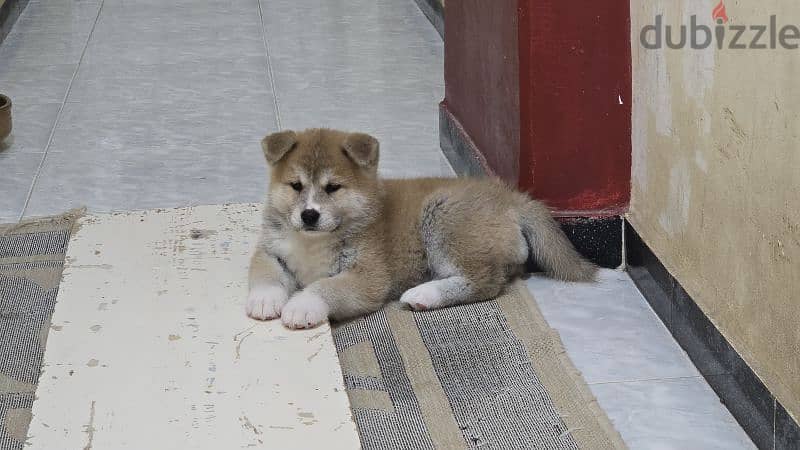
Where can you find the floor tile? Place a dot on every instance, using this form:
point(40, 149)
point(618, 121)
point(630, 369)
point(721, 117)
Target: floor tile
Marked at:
point(119, 126)
point(609, 330)
point(136, 177)
point(169, 19)
point(166, 49)
point(394, 164)
point(674, 414)
point(31, 127)
point(33, 50)
point(217, 81)
point(214, 6)
point(380, 86)
point(403, 121)
point(27, 85)
point(114, 156)
point(57, 17)
point(47, 34)
point(18, 170)
point(125, 39)
point(365, 24)
point(362, 80)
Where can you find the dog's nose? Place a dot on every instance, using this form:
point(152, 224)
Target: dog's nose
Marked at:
point(309, 217)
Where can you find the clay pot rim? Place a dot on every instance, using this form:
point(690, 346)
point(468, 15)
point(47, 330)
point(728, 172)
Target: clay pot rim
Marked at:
point(5, 102)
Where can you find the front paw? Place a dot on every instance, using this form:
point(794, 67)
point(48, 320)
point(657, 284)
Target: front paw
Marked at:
point(265, 302)
point(305, 310)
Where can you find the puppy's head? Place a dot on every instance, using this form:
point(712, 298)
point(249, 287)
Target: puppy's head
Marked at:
point(322, 180)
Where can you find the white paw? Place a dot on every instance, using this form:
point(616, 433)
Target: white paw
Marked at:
point(304, 310)
point(425, 296)
point(265, 302)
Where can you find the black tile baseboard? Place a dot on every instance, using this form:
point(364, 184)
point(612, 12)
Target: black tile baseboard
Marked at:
point(434, 11)
point(787, 433)
point(597, 238)
point(756, 409)
point(9, 12)
point(458, 147)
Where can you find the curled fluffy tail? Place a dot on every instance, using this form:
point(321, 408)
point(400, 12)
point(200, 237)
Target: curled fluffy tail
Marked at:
point(549, 247)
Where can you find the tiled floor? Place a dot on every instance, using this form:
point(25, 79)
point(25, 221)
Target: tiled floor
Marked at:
point(134, 104)
point(646, 383)
point(122, 105)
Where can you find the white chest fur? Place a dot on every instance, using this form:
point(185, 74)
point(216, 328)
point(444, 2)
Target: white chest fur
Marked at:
point(309, 257)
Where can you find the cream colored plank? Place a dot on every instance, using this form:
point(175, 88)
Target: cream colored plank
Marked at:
point(150, 347)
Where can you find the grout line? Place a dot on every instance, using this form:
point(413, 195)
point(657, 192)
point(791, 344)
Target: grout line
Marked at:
point(648, 379)
point(774, 425)
point(442, 154)
point(624, 263)
point(58, 115)
point(270, 73)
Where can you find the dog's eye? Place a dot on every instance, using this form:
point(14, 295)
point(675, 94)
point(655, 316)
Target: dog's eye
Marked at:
point(297, 186)
point(330, 188)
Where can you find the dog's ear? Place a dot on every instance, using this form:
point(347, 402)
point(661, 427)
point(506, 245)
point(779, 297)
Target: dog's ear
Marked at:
point(362, 148)
point(277, 145)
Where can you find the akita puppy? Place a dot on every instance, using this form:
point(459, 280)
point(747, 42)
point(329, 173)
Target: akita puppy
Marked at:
point(338, 242)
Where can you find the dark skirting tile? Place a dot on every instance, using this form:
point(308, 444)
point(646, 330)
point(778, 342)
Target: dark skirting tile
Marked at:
point(738, 387)
point(708, 349)
point(649, 275)
point(458, 147)
point(787, 431)
point(434, 11)
point(752, 407)
point(9, 12)
point(597, 238)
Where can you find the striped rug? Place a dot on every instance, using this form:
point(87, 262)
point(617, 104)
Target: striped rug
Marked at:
point(31, 260)
point(490, 375)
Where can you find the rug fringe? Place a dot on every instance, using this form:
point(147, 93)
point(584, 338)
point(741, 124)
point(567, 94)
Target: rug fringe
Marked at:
point(39, 224)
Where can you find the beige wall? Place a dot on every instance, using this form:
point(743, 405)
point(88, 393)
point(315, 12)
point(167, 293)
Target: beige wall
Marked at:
point(716, 180)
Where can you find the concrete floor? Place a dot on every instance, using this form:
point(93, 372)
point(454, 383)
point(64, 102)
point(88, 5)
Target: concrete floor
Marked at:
point(131, 104)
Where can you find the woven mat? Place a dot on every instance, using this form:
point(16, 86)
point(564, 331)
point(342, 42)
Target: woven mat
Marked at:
point(31, 261)
point(485, 375)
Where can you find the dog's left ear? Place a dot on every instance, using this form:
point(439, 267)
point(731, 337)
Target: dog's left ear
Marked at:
point(362, 148)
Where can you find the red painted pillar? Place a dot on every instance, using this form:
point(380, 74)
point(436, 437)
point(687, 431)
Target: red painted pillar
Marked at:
point(541, 91)
point(575, 104)
point(481, 70)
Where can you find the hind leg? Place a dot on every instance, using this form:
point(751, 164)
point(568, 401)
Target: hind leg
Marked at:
point(471, 252)
point(438, 293)
point(450, 291)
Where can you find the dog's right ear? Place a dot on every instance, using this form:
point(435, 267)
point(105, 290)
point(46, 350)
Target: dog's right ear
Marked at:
point(277, 145)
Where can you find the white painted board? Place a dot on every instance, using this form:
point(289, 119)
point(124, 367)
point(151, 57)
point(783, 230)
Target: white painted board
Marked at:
point(149, 347)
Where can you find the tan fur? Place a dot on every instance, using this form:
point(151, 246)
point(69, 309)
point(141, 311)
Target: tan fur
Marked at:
point(429, 242)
